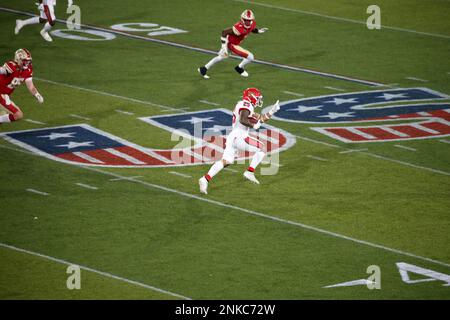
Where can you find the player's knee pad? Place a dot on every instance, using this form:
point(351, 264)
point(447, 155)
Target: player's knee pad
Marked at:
point(250, 57)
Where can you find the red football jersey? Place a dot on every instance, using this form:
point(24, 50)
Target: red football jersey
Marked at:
point(14, 78)
point(240, 32)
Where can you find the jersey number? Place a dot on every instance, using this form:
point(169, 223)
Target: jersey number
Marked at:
point(15, 83)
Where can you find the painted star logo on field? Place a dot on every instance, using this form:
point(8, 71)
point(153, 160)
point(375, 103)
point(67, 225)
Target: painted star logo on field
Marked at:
point(335, 115)
point(301, 109)
point(195, 120)
point(73, 144)
point(390, 96)
point(56, 135)
point(339, 101)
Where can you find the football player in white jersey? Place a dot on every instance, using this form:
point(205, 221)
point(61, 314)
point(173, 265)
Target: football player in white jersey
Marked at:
point(46, 17)
point(244, 118)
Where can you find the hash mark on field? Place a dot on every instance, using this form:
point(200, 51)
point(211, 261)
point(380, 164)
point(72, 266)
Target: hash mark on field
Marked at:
point(38, 192)
point(294, 93)
point(316, 158)
point(80, 117)
point(335, 89)
point(444, 141)
point(180, 174)
point(34, 121)
point(125, 178)
point(86, 186)
point(352, 150)
point(416, 79)
point(404, 147)
point(125, 112)
point(231, 170)
point(102, 273)
point(209, 102)
point(272, 163)
point(179, 109)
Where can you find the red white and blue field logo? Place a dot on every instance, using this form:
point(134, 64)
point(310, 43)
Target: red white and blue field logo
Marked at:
point(420, 115)
point(202, 141)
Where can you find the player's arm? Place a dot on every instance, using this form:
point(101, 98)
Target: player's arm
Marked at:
point(34, 92)
point(244, 118)
point(261, 30)
point(268, 115)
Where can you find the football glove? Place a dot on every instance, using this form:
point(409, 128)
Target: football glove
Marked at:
point(275, 108)
point(262, 30)
point(40, 6)
point(39, 98)
point(257, 125)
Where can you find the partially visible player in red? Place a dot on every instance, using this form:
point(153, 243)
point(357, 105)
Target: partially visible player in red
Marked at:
point(231, 39)
point(12, 75)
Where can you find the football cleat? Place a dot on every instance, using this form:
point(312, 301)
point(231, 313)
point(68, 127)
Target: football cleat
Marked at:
point(241, 71)
point(203, 183)
point(253, 96)
point(46, 36)
point(247, 18)
point(19, 26)
point(202, 71)
point(250, 176)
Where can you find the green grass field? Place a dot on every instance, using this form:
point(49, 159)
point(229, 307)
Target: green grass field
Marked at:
point(332, 210)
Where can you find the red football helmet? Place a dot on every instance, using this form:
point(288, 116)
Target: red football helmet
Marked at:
point(253, 96)
point(247, 17)
point(23, 58)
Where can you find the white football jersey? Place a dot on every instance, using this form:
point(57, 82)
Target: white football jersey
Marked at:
point(238, 127)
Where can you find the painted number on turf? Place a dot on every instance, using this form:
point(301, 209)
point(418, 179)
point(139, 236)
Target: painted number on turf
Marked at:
point(74, 280)
point(430, 275)
point(153, 29)
point(374, 20)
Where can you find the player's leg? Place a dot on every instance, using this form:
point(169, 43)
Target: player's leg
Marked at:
point(247, 58)
point(204, 69)
point(49, 13)
point(14, 112)
point(227, 159)
point(252, 145)
point(35, 20)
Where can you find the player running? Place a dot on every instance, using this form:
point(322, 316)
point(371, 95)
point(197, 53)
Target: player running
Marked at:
point(12, 75)
point(231, 39)
point(239, 139)
point(46, 17)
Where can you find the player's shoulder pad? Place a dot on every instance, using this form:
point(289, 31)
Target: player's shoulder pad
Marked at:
point(10, 66)
point(238, 28)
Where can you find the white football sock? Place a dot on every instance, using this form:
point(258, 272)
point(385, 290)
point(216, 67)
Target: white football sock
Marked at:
point(47, 27)
point(257, 158)
point(246, 61)
point(4, 118)
point(215, 169)
point(214, 61)
point(34, 20)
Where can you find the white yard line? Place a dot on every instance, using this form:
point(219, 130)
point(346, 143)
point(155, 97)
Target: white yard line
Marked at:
point(316, 158)
point(180, 174)
point(38, 192)
point(102, 273)
point(416, 79)
point(34, 121)
point(294, 93)
point(86, 186)
point(404, 147)
point(147, 103)
point(209, 103)
point(352, 150)
point(119, 179)
point(125, 112)
point(436, 35)
point(251, 212)
point(445, 141)
point(335, 89)
point(80, 117)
